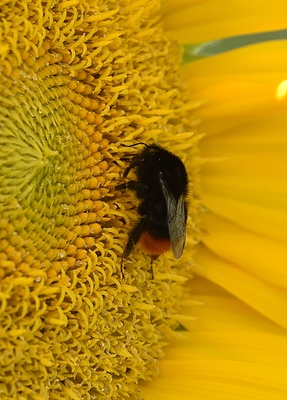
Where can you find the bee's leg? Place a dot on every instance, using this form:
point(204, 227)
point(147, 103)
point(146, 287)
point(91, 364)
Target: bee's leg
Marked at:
point(137, 187)
point(151, 269)
point(122, 269)
point(134, 237)
point(153, 258)
point(136, 162)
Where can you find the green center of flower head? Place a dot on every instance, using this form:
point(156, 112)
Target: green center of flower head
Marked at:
point(77, 80)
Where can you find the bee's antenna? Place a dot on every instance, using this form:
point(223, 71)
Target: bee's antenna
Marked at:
point(135, 144)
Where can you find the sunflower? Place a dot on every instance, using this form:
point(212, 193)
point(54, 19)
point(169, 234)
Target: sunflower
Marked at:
point(79, 81)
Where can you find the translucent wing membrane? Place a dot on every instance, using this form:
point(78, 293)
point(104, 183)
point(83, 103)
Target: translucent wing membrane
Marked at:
point(176, 220)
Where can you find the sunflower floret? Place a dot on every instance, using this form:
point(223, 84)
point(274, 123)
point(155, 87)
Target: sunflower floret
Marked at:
point(77, 80)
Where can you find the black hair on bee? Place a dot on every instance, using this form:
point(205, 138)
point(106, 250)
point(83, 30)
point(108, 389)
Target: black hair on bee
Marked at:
point(161, 187)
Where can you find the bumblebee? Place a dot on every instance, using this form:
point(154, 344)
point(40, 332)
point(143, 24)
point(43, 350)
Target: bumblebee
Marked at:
point(161, 186)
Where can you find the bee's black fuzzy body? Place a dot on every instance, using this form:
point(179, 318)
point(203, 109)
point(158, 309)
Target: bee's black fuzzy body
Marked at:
point(162, 188)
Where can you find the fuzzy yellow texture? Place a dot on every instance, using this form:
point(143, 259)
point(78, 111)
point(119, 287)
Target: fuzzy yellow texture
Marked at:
point(77, 80)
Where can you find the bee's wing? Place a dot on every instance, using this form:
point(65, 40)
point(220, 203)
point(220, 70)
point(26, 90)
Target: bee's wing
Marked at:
point(175, 219)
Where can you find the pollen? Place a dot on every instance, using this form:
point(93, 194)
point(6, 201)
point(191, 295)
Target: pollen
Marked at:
point(78, 80)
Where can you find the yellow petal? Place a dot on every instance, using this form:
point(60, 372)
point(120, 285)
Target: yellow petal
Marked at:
point(232, 354)
point(244, 177)
point(198, 21)
point(241, 83)
point(213, 309)
point(236, 347)
point(268, 299)
point(226, 372)
point(244, 181)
